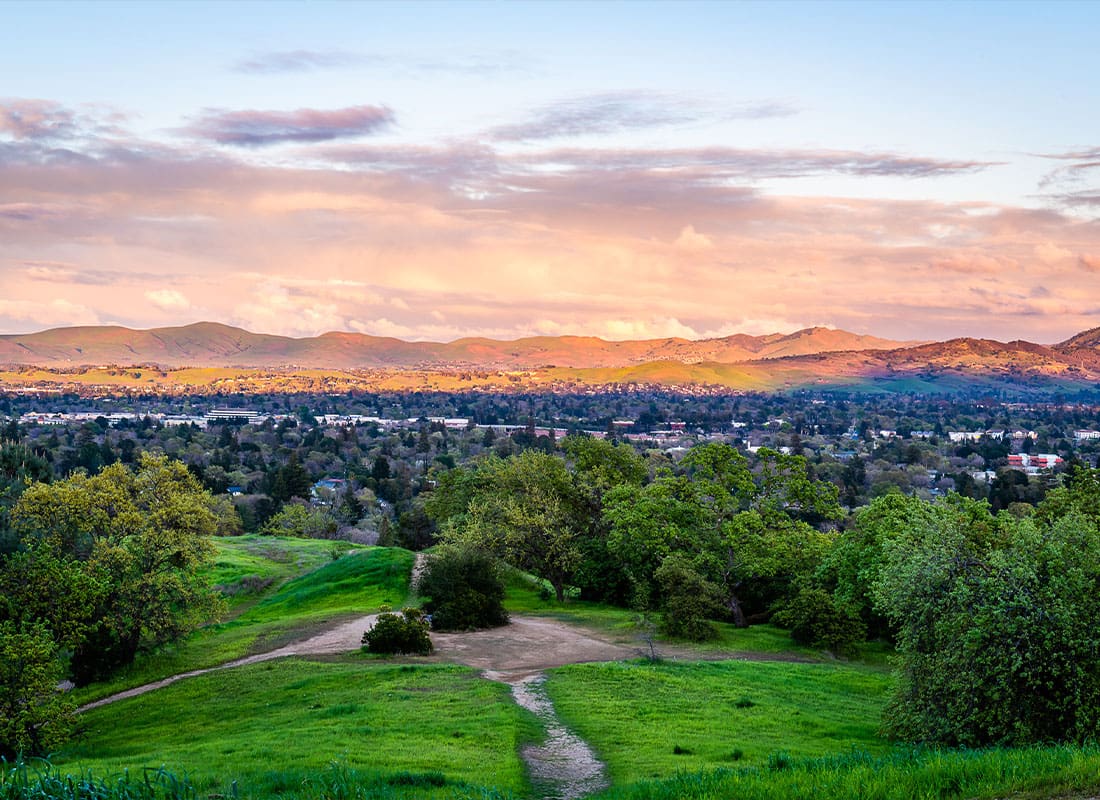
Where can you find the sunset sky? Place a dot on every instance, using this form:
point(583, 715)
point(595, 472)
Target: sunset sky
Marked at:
point(626, 170)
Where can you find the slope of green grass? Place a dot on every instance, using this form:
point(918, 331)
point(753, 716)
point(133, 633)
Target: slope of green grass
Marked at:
point(653, 720)
point(246, 567)
point(1032, 773)
point(275, 725)
point(356, 584)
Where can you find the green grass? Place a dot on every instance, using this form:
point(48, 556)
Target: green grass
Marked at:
point(247, 566)
point(1034, 773)
point(358, 583)
point(271, 726)
point(653, 720)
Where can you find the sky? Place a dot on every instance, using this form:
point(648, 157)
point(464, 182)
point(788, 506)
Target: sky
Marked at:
point(625, 170)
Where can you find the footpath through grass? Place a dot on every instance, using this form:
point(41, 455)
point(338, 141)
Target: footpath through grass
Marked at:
point(273, 726)
point(355, 584)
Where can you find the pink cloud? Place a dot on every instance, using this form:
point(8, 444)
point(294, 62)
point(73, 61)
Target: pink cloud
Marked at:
point(262, 128)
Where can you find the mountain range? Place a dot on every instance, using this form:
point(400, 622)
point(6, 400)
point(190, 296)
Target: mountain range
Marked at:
point(814, 357)
point(213, 344)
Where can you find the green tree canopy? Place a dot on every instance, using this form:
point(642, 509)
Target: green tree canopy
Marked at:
point(996, 621)
point(132, 542)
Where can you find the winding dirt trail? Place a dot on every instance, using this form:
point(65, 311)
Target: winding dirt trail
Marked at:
point(563, 767)
point(343, 638)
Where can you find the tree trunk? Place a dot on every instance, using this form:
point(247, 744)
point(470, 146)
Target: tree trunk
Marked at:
point(738, 614)
point(559, 589)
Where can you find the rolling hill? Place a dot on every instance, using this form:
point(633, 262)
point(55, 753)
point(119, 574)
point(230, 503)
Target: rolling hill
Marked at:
point(219, 357)
point(209, 344)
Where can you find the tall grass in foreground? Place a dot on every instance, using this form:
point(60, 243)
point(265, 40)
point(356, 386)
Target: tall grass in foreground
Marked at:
point(1036, 772)
point(38, 780)
point(917, 774)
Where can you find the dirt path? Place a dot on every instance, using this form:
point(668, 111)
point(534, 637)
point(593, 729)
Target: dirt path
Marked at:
point(563, 767)
point(522, 649)
point(340, 639)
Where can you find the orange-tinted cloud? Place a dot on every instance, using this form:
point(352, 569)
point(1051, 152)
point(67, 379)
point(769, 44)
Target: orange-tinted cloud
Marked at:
point(465, 238)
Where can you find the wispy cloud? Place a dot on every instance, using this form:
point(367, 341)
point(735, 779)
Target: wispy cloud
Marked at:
point(300, 61)
point(599, 114)
point(615, 112)
point(736, 163)
point(263, 128)
point(36, 119)
point(287, 61)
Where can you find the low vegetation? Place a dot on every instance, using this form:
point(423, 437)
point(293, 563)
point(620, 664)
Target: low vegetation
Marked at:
point(652, 720)
point(276, 726)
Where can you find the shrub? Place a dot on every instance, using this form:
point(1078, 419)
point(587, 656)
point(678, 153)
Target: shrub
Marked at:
point(816, 619)
point(690, 600)
point(399, 633)
point(464, 590)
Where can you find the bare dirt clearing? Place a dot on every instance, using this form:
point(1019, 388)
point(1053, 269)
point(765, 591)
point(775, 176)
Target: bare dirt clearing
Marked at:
point(523, 648)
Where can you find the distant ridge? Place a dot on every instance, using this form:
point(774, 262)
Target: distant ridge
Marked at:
point(209, 344)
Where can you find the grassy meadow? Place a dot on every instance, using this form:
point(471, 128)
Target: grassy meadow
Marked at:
point(785, 722)
point(651, 720)
point(271, 726)
point(287, 609)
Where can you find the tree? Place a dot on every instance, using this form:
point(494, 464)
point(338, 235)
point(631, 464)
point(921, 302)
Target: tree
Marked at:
point(298, 519)
point(142, 537)
point(35, 716)
point(464, 589)
point(526, 511)
point(996, 622)
point(291, 480)
point(758, 538)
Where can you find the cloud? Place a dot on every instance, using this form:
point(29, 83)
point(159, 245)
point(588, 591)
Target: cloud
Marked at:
point(285, 61)
point(1050, 253)
point(690, 240)
point(971, 264)
point(300, 61)
point(263, 128)
point(168, 300)
point(1084, 154)
point(1090, 262)
point(599, 114)
point(615, 112)
point(28, 212)
point(36, 119)
point(739, 163)
point(57, 311)
point(1087, 198)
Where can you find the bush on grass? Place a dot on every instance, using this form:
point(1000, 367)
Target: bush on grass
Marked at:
point(405, 633)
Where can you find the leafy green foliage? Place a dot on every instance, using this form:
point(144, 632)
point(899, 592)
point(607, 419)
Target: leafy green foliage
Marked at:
point(404, 633)
point(127, 546)
point(690, 600)
point(526, 512)
point(996, 622)
point(298, 519)
point(816, 619)
point(464, 589)
point(35, 717)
